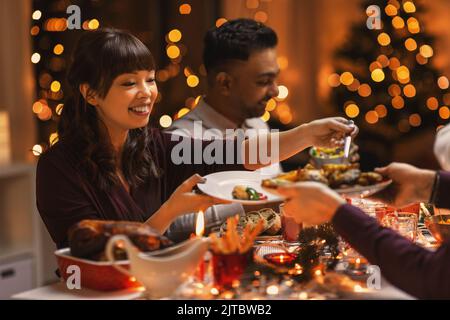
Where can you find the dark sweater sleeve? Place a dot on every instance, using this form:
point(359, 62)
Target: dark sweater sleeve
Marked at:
point(442, 196)
point(417, 271)
point(61, 200)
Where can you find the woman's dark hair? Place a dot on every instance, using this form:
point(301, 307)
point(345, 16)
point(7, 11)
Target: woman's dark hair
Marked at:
point(99, 57)
point(236, 40)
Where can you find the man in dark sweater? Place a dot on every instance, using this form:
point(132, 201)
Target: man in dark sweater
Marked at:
point(416, 270)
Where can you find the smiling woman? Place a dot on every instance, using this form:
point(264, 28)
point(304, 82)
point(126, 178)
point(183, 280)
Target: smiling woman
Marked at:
point(109, 164)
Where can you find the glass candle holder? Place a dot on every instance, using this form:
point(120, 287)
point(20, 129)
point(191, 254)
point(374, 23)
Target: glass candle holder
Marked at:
point(280, 258)
point(228, 268)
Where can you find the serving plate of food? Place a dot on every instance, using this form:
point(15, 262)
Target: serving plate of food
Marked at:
point(238, 186)
point(270, 223)
point(346, 179)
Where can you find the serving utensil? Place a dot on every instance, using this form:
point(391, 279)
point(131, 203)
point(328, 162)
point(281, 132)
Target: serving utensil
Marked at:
point(348, 141)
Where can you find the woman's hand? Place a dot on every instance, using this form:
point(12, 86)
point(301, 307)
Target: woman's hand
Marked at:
point(311, 202)
point(409, 185)
point(182, 201)
point(329, 132)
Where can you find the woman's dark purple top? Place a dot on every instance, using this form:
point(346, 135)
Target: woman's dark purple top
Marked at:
point(417, 271)
point(65, 194)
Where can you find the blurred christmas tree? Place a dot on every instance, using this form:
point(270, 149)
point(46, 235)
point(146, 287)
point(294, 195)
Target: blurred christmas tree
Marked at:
point(385, 80)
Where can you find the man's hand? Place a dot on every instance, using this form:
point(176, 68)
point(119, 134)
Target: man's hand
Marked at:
point(330, 132)
point(409, 185)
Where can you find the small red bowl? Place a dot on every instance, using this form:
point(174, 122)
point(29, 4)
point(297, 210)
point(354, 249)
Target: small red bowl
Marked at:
point(96, 275)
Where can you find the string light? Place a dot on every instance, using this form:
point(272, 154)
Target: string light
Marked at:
point(266, 116)
point(410, 44)
point(59, 109)
point(183, 112)
point(192, 81)
point(426, 51)
point(283, 92)
point(409, 91)
point(381, 110)
point(35, 58)
point(444, 112)
point(37, 150)
point(413, 25)
point(398, 23)
point(185, 9)
point(390, 10)
point(334, 80)
point(220, 22)
point(443, 82)
point(402, 73)
point(415, 120)
point(261, 16)
point(53, 138)
point(352, 110)
point(372, 117)
point(346, 78)
point(384, 39)
point(37, 15)
point(377, 75)
point(55, 86)
point(364, 90)
point(173, 51)
point(271, 105)
point(355, 85)
point(432, 103)
point(165, 121)
point(93, 24)
point(35, 30)
point(409, 7)
point(398, 102)
point(394, 90)
point(420, 59)
point(58, 49)
point(175, 35)
point(37, 107)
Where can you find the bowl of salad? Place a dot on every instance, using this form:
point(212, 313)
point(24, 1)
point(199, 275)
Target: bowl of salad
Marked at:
point(323, 156)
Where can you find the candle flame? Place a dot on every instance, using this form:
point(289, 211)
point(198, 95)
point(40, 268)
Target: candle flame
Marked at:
point(358, 261)
point(282, 258)
point(200, 224)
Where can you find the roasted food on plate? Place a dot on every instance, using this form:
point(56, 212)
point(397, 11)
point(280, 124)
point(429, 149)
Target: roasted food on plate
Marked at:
point(247, 193)
point(334, 175)
point(269, 219)
point(88, 238)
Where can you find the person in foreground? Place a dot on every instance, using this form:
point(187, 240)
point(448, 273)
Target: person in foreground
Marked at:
point(110, 164)
point(416, 270)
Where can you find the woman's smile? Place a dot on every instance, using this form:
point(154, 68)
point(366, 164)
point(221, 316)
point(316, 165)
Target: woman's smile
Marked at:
point(142, 110)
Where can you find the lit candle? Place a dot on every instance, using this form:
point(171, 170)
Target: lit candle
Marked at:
point(280, 258)
point(200, 224)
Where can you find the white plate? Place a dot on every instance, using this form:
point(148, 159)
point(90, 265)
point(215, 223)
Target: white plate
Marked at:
point(220, 185)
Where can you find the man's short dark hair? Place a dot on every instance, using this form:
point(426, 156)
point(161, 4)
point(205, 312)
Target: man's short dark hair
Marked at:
point(236, 40)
